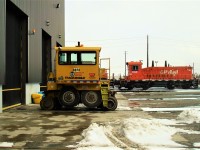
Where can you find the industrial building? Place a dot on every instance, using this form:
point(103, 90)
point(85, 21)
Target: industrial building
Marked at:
point(29, 31)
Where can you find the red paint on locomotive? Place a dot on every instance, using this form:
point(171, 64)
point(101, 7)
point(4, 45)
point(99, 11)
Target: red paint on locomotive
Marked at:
point(136, 72)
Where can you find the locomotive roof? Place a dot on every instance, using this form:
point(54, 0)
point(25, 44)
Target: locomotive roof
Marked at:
point(134, 63)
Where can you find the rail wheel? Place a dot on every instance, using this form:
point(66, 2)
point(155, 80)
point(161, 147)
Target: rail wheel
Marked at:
point(195, 83)
point(186, 86)
point(130, 88)
point(91, 99)
point(69, 97)
point(145, 86)
point(47, 103)
point(195, 86)
point(112, 103)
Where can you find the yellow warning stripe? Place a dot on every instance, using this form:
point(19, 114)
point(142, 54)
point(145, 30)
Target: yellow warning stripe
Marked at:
point(14, 89)
point(8, 107)
point(43, 86)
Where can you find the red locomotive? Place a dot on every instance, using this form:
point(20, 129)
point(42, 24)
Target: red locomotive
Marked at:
point(167, 76)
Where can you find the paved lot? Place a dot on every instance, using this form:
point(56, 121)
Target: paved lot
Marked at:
point(28, 127)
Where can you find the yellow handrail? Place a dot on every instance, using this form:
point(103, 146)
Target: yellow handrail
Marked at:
point(14, 89)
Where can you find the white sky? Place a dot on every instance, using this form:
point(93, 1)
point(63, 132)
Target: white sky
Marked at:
point(117, 26)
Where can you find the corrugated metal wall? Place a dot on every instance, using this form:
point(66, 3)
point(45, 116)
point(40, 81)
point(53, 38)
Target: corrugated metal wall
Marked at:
point(40, 12)
point(2, 40)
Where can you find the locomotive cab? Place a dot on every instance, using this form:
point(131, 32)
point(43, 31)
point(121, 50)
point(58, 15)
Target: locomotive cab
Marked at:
point(134, 70)
point(134, 77)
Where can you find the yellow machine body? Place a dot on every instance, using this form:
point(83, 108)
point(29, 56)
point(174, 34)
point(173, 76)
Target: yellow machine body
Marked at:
point(77, 79)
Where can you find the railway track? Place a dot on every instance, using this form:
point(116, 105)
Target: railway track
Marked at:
point(154, 89)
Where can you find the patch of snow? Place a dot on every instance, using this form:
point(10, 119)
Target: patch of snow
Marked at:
point(98, 148)
point(123, 108)
point(149, 132)
point(92, 135)
point(166, 148)
point(138, 99)
point(158, 89)
point(95, 138)
point(144, 99)
point(188, 95)
point(6, 144)
point(170, 109)
point(186, 90)
point(179, 98)
point(189, 116)
point(196, 144)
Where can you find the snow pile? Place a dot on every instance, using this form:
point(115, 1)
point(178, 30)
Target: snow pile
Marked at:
point(134, 133)
point(95, 138)
point(149, 132)
point(141, 133)
point(189, 116)
point(96, 135)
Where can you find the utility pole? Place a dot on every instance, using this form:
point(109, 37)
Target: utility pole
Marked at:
point(147, 51)
point(125, 61)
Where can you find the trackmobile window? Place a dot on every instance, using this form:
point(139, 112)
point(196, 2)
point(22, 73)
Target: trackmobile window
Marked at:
point(77, 58)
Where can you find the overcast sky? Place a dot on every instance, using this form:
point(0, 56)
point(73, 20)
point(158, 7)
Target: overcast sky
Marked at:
point(173, 27)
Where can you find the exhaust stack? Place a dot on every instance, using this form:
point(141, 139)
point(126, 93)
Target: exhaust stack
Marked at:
point(152, 63)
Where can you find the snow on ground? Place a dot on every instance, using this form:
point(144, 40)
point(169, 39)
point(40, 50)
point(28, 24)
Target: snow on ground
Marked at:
point(6, 144)
point(187, 90)
point(95, 138)
point(124, 108)
point(189, 116)
point(144, 99)
point(141, 133)
point(96, 134)
point(171, 109)
point(149, 132)
point(158, 89)
point(196, 95)
point(196, 144)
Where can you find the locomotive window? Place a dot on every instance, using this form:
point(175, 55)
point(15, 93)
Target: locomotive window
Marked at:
point(77, 58)
point(135, 68)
